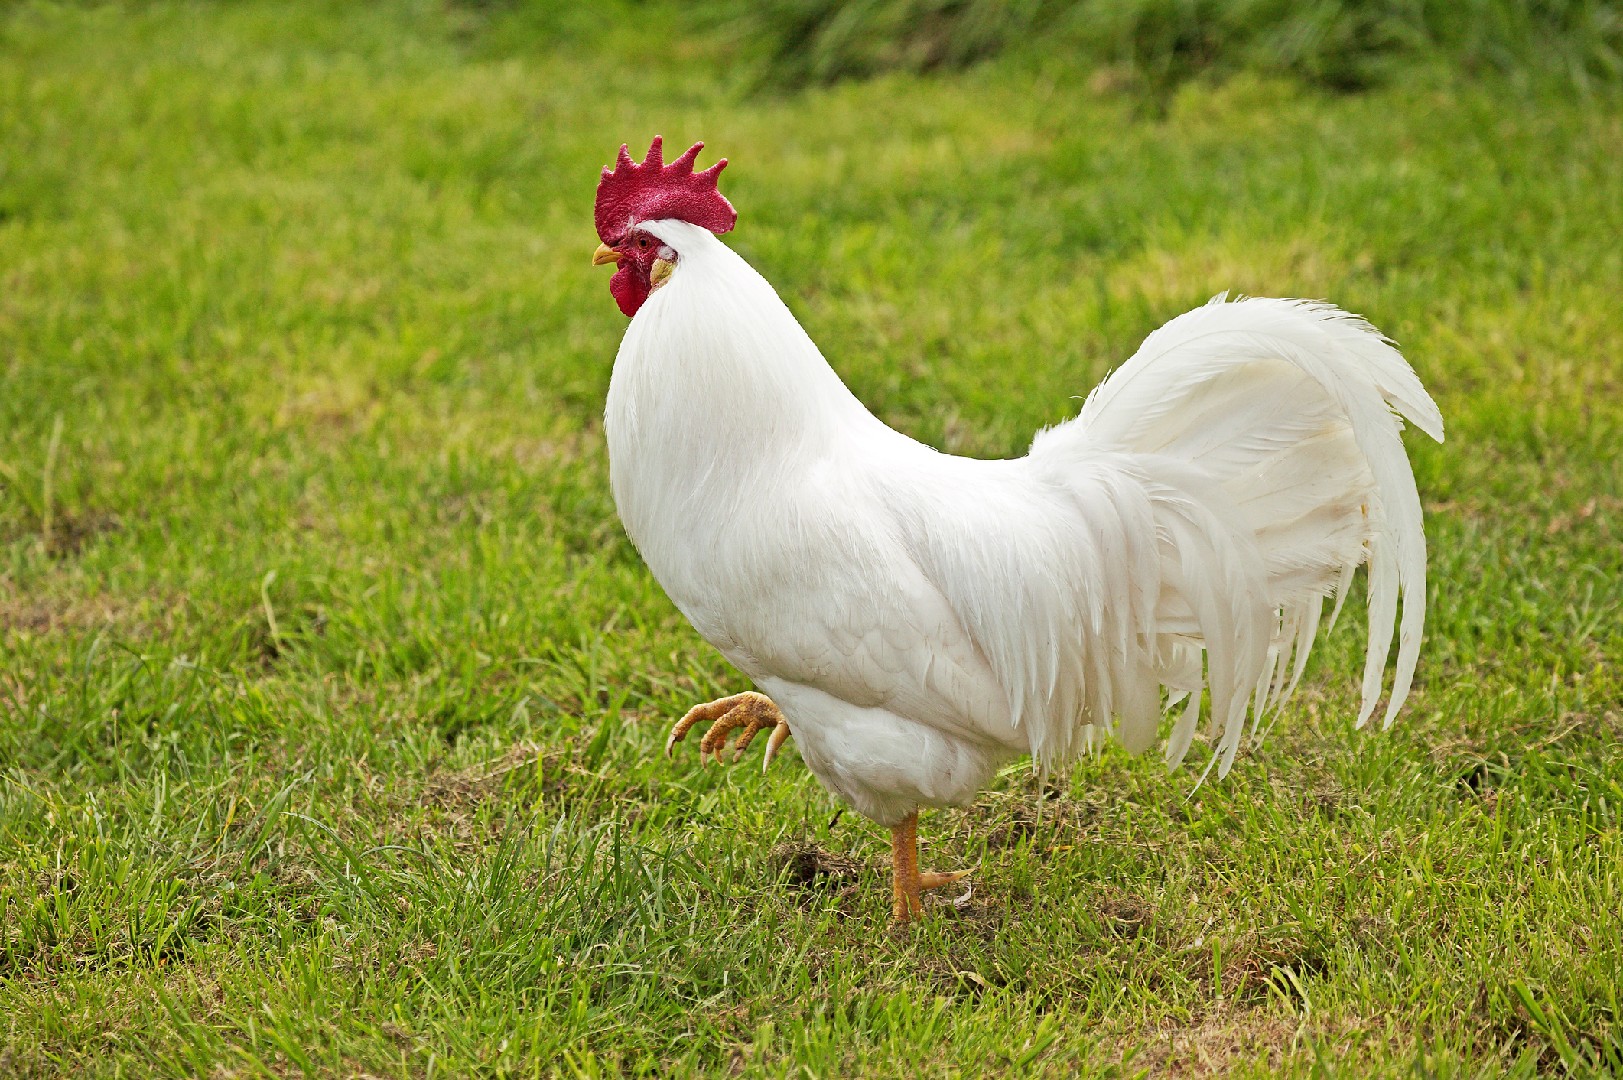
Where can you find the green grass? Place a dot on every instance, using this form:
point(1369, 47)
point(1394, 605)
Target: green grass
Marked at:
point(332, 696)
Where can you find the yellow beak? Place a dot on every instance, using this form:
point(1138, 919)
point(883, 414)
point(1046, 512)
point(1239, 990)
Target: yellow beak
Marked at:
point(605, 254)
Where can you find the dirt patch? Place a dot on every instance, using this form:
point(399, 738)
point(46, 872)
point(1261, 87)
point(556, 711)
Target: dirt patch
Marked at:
point(22, 1063)
point(1217, 1045)
point(71, 532)
point(1226, 1040)
point(329, 410)
point(1258, 966)
point(468, 787)
point(564, 449)
point(33, 614)
point(1021, 824)
point(805, 865)
point(523, 775)
point(1124, 914)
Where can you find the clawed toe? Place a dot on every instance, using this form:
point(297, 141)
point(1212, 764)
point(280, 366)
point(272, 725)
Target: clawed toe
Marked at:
point(751, 711)
point(934, 879)
point(774, 743)
point(754, 727)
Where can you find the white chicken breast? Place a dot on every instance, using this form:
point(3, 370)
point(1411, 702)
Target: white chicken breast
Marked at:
point(919, 619)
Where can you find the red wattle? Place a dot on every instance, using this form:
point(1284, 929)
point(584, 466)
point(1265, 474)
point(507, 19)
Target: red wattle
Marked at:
point(630, 286)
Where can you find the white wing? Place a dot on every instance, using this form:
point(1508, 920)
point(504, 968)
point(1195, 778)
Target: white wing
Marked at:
point(835, 600)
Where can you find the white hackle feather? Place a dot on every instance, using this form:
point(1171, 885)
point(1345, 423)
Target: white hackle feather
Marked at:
point(921, 618)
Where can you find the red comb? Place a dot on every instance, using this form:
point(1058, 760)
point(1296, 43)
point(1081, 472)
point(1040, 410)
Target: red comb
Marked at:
point(653, 190)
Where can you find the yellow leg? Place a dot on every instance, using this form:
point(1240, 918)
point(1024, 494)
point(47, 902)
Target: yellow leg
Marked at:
point(907, 880)
point(751, 711)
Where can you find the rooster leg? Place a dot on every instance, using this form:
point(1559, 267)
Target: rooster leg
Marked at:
point(907, 880)
point(751, 711)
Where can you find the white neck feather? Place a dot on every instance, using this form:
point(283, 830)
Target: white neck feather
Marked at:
point(715, 378)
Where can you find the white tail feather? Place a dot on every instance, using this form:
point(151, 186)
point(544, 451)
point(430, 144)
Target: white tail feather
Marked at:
point(1266, 434)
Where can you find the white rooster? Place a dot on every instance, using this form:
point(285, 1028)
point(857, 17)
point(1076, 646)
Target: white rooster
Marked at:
point(921, 619)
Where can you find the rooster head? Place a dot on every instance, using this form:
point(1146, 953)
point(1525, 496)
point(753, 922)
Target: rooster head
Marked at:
point(632, 193)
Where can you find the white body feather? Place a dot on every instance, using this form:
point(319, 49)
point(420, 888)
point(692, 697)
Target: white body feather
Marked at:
point(921, 618)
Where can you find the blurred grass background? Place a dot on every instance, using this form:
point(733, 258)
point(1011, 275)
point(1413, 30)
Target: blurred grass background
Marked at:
point(1157, 44)
point(333, 694)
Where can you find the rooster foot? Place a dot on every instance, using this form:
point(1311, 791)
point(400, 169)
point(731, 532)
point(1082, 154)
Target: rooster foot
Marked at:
point(751, 711)
point(908, 880)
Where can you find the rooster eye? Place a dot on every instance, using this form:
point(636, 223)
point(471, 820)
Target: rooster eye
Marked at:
point(642, 241)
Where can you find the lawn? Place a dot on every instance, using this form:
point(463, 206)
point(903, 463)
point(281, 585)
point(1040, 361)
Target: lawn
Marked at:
point(332, 696)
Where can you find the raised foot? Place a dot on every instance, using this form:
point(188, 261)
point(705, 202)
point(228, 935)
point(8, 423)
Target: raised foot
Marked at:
point(751, 711)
